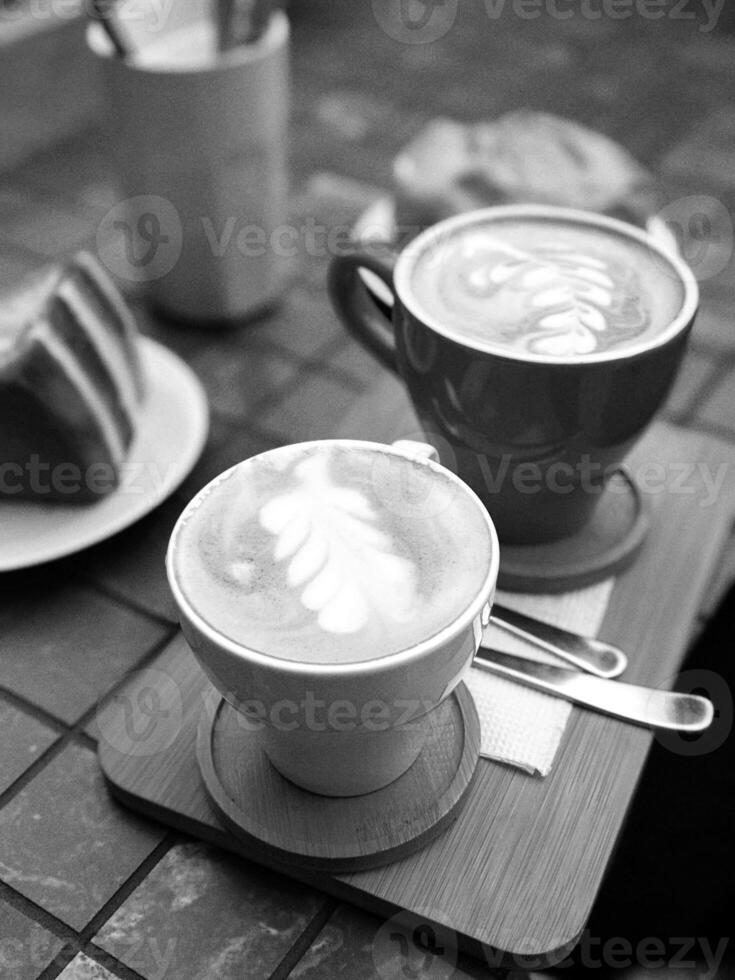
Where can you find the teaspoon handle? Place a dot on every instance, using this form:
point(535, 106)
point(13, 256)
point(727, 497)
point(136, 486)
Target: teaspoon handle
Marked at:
point(647, 706)
point(584, 652)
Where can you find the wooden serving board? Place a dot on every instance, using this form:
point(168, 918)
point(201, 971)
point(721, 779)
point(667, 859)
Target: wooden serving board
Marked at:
point(519, 870)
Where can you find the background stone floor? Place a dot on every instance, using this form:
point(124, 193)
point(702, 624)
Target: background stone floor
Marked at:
point(87, 890)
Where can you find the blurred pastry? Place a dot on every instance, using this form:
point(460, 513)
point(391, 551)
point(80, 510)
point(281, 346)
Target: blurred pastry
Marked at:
point(522, 157)
point(71, 385)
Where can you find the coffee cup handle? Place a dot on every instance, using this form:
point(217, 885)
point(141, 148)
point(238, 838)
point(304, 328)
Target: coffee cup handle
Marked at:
point(357, 307)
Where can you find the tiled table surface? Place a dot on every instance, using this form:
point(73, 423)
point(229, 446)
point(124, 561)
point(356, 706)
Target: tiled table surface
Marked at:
point(88, 890)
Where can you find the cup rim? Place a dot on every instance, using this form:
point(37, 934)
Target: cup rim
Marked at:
point(275, 36)
point(377, 665)
point(414, 249)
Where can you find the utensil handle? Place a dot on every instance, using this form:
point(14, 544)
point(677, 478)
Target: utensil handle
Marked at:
point(356, 306)
point(585, 652)
point(103, 15)
point(641, 705)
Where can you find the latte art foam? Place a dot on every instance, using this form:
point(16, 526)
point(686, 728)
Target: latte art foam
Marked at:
point(546, 287)
point(331, 553)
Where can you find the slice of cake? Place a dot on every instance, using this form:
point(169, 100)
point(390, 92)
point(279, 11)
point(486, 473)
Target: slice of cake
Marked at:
point(71, 385)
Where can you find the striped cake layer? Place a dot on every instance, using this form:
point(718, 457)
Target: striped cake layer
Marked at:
point(70, 383)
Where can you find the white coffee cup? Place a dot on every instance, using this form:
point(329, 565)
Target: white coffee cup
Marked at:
point(200, 143)
point(343, 705)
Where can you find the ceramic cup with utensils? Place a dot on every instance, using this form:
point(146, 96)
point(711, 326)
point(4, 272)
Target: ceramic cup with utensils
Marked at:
point(536, 344)
point(200, 137)
point(335, 593)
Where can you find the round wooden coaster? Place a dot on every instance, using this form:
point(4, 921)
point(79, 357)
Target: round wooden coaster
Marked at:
point(605, 546)
point(335, 834)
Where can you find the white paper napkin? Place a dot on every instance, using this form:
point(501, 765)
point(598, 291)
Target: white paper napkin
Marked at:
point(520, 726)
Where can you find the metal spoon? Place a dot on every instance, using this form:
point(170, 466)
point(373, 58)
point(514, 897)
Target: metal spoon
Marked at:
point(640, 705)
point(584, 652)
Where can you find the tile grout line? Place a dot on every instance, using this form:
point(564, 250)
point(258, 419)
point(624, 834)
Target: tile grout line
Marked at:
point(232, 425)
point(75, 734)
point(58, 964)
point(71, 737)
point(36, 767)
point(38, 914)
point(36, 711)
point(104, 590)
point(688, 418)
point(713, 429)
point(333, 345)
point(336, 373)
point(710, 350)
point(718, 377)
point(137, 876)
point(110, 963)
point(76, 941)
point(257, 430)
point(316, 370)
point(300, 364)
point(304, 940)
point(104, 699)
point(67, 955)
point(265, 403)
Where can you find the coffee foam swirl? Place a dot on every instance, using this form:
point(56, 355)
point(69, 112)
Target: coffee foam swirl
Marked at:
point(346, 565)
point(329, 553)
point(547, 289)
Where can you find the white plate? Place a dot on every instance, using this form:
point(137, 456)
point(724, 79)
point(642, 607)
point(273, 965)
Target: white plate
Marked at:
point(171, 434)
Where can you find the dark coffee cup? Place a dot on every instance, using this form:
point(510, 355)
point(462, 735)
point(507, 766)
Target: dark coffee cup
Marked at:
point(536, 344)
